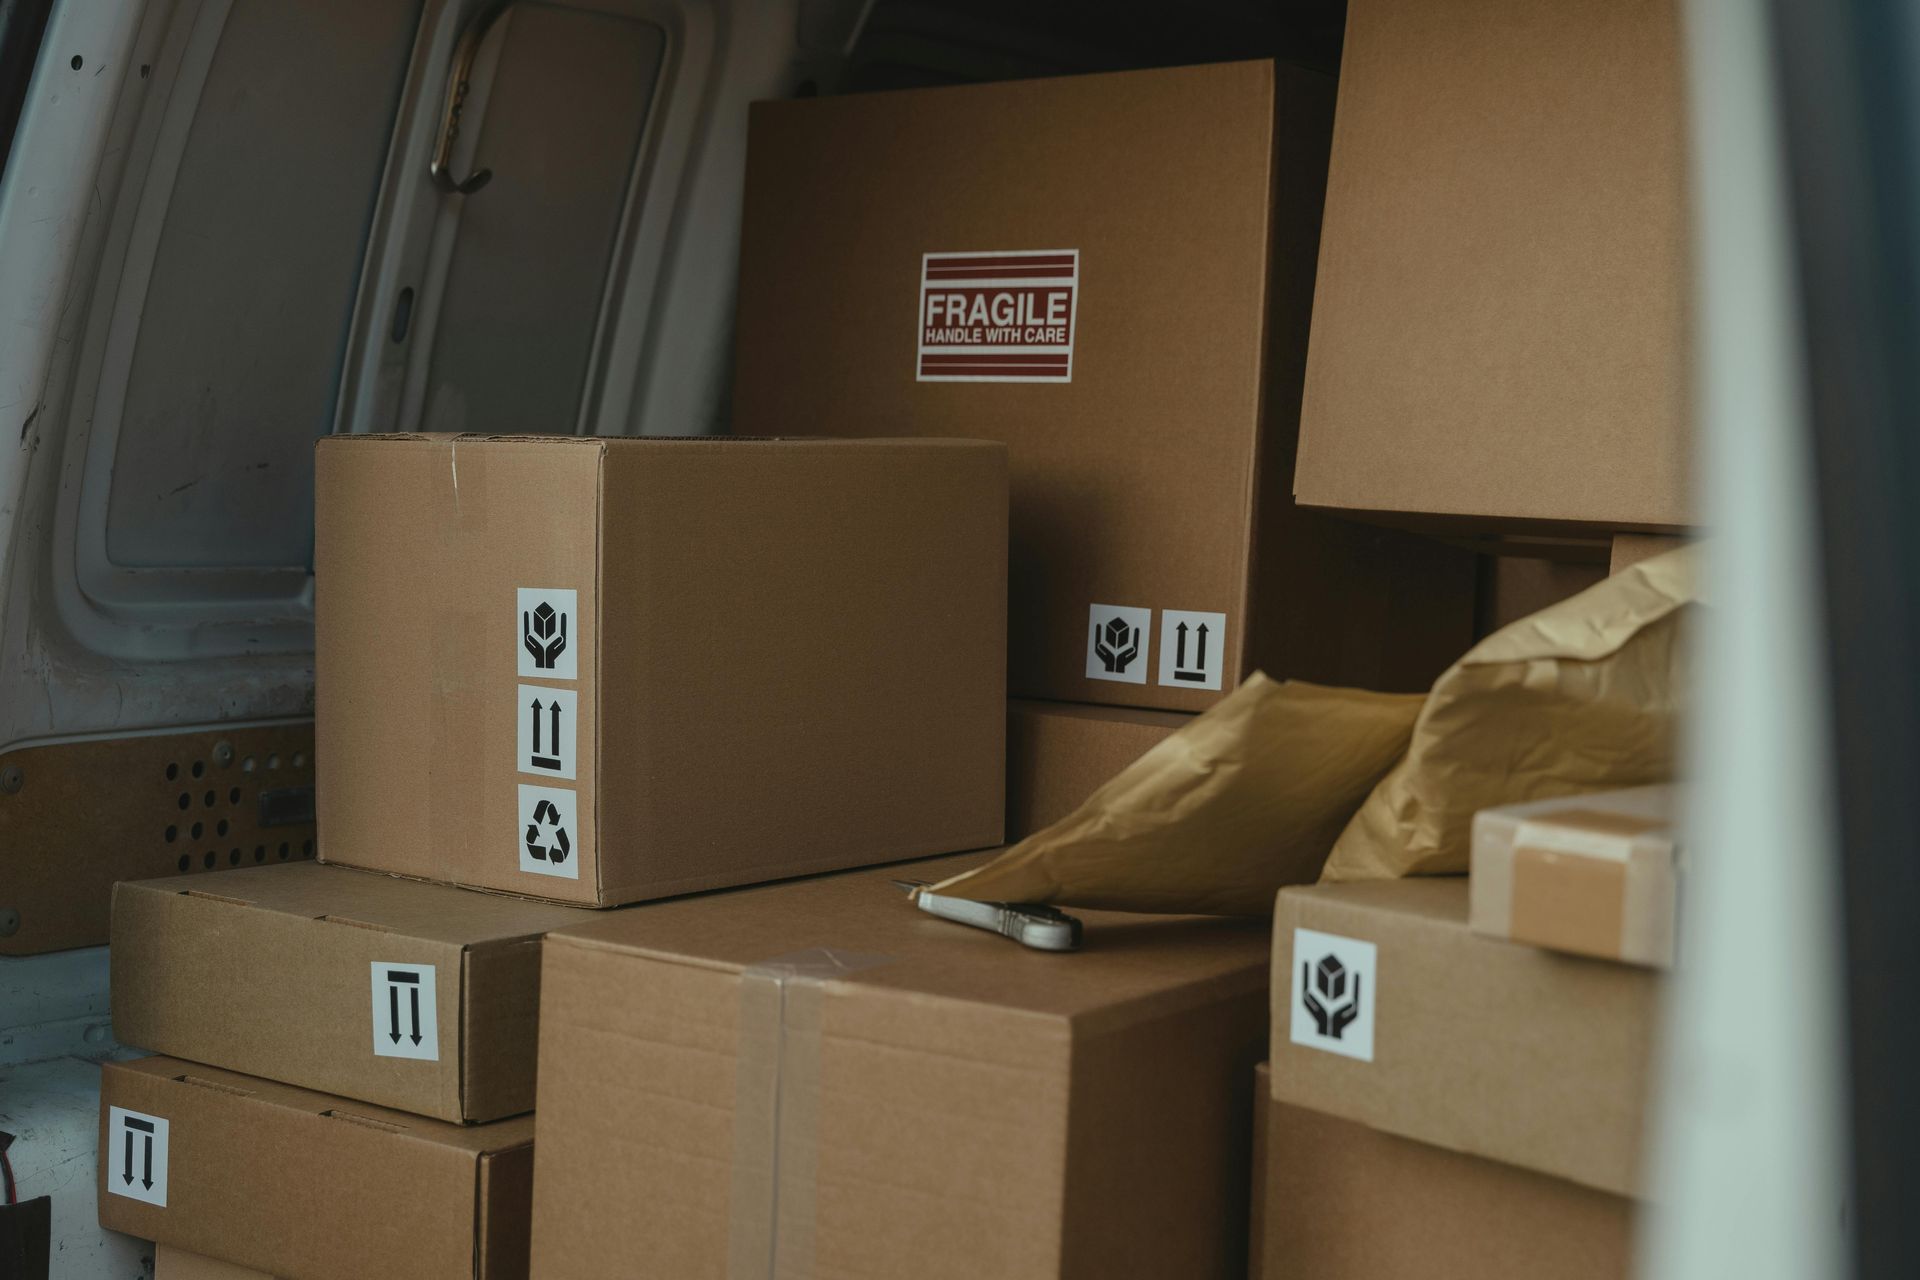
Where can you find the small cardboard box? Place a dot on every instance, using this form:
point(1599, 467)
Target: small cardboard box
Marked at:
point(1500, 332)
point(598, 670)
point(1335, 1200)
point(1594, 875)
point(421, 997)
point(1112, 274)
point(170, 1263)
point(819, 1079)
point(1388, 1011)
point(1059, 753)
point(306, 1186)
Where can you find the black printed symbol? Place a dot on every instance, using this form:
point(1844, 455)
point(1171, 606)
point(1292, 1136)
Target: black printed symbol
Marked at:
point(544, 633)
point(1181, 671)
point(1323, 987)
point(395, 979)
point(1116, 644)
point(145, 1129)
point(547, 814)
point(536, 759)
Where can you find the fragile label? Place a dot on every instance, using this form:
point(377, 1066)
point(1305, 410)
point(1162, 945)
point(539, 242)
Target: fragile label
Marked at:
point(1334, 990)
point(548, 823)
point(547, 730)
point(1004, 316)
point(1190, 648)
point(1118, 638)
point(549, 631)
point(406, 1019)
point(137, 1147)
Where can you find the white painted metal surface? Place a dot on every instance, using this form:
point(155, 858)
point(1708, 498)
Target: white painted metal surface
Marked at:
point(1748, 1156)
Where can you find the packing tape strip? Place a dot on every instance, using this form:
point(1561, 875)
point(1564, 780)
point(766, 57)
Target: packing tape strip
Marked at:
point(776, 1110)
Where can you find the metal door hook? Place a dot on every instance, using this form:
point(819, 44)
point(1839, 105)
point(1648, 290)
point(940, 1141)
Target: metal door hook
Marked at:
point(465, 52)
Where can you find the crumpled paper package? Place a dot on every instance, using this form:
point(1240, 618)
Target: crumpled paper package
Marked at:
point(1216, 818)
point(1583, 696)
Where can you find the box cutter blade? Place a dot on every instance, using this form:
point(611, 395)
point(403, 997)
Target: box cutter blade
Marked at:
point(1031, 924)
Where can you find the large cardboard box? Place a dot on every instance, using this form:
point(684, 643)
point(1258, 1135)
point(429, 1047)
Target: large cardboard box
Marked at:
point(1500, 327)
point(170, 1263)
point(421, 997)
point(1113, 275)
point(1059, 753)
point(1335, 1200)
point(603, 670)
point(819, 1079)
point(306, 1186)
point(1389, 1012)
point(1594, 875)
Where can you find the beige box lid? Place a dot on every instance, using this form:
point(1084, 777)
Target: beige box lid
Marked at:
point(1064, 1112)
point(304, 1185)
point(1485, 1047)
point(273, 971)
point(1499, 327)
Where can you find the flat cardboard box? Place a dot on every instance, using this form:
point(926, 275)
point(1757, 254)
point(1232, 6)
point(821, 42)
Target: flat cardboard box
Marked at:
point(1593, 875)
point(1335, 1200)
point(170, 1263)
point(421, 997)
point(1150, 416)
point(1059, 753)
point(1500, 333)
point(819, 1079)
point(306, 1186)
point(599, 670)
point(1421, 1028)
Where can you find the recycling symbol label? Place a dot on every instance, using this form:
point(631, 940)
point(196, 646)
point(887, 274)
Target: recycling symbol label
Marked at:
point(1334, 990)
point(548, 828)
point(547, 626)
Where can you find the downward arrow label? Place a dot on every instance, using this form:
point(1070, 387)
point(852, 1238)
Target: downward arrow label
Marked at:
point(409, 1027)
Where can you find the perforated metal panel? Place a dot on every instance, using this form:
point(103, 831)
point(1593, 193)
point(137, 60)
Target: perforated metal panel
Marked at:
point(77, 816)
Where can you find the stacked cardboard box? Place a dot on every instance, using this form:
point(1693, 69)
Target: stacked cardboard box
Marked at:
point(1112, 275)
point(592, 671)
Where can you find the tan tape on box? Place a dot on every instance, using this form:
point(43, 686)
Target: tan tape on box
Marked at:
point(1570, 880)
point(776, 1110)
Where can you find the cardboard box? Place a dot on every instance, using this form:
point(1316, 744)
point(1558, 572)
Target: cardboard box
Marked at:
point(819, 1079)
point(1389, 1012)
point(893, 241)
point(1519, 586)
point(1059, 753)
point(1336, 1200)
point(307, 1186)
point(1630, 549)
point(1592, 875)
point(756, 658)
point(1500, 328)
point(420, 997)
point(170, 1263)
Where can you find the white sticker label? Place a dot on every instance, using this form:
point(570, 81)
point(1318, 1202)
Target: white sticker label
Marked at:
point(547, 832)
point(137, 1146)
point(406, 1017)
point(1335, 985)
point(1117, 642)
point(548, 623)
point(547, 718)
point(1190, 648)
point(1004, 316)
